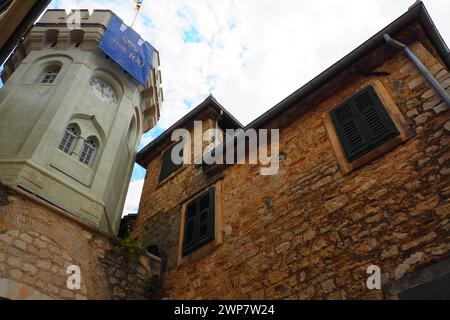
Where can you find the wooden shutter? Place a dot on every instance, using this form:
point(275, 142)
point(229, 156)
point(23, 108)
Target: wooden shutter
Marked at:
point(362, 124)
point(189, 234)
point(167, 166)
point(199, 222)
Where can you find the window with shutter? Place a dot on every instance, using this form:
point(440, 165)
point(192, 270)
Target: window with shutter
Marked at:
point(199, 222)
point(362, 124)
point(168, 166)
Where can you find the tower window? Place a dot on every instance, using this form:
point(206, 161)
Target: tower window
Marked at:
point(88, 152)
point(50, 73)
point(131, 135)
point(68, 140)
point(49, 77)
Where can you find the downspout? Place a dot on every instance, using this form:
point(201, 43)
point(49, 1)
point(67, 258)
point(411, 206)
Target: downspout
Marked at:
point(425, 72)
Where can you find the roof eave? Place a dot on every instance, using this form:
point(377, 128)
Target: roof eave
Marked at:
point(209, 101)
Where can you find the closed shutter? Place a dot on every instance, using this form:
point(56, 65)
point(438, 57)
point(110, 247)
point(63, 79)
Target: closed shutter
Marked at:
point(167, 166)
point(362, 124)
point(199, 222)
point(191, 212)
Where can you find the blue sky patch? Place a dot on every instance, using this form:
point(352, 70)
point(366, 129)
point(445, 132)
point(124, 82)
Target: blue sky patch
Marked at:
point(211, 79)
point(192, 36)
point(153, 133)
point(232, 24)
point(187, 103)
point(147, 22)
point(138, 172)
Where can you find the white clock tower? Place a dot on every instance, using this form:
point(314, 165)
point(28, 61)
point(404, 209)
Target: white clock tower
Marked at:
point(71, 118)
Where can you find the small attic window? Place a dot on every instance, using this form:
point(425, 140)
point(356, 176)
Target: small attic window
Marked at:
point(362, 124)
point(167, 165)
point(365, 126)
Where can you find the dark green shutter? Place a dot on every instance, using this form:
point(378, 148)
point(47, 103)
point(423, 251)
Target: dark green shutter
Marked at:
point(349, 130)
point(167, 166)
point(362, 124)
point(191, 212)
point(199, 222)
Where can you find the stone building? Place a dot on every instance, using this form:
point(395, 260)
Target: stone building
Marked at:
point(70, 123)
point(363, 180)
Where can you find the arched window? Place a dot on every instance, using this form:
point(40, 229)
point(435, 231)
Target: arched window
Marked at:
point(50, 73)
point(88, 152)
point(131, 135)
point(69, 139)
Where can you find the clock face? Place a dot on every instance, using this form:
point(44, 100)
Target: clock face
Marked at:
point(103, 90)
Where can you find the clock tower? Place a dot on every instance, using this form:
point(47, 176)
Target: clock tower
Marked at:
point(71, 118)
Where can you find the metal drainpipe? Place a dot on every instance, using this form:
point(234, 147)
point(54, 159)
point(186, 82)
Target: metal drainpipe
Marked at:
point(426, 73)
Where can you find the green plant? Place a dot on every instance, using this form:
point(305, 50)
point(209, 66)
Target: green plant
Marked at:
point(129, 248)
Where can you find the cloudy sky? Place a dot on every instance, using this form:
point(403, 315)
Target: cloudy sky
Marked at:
point(249, 53)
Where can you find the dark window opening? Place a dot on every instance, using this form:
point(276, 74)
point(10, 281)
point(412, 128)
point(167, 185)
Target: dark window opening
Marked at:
point(437, 289)
point(76, 37)
point(199, 222)
point(168, 167)
point(362, 124)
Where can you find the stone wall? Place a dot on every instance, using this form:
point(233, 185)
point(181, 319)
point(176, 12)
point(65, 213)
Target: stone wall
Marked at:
point(163, 230)
point(38, 242)
point(130, 279)
point(34, 259)
point(310, 232)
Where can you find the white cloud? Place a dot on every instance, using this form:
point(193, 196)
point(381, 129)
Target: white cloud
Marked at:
point(133, 196)
point(254, 52)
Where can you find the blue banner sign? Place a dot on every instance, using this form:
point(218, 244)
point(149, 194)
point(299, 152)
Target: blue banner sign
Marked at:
point(128, 49)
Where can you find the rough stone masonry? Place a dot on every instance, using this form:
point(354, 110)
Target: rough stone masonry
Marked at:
point(311, 231)
point(38, 242)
